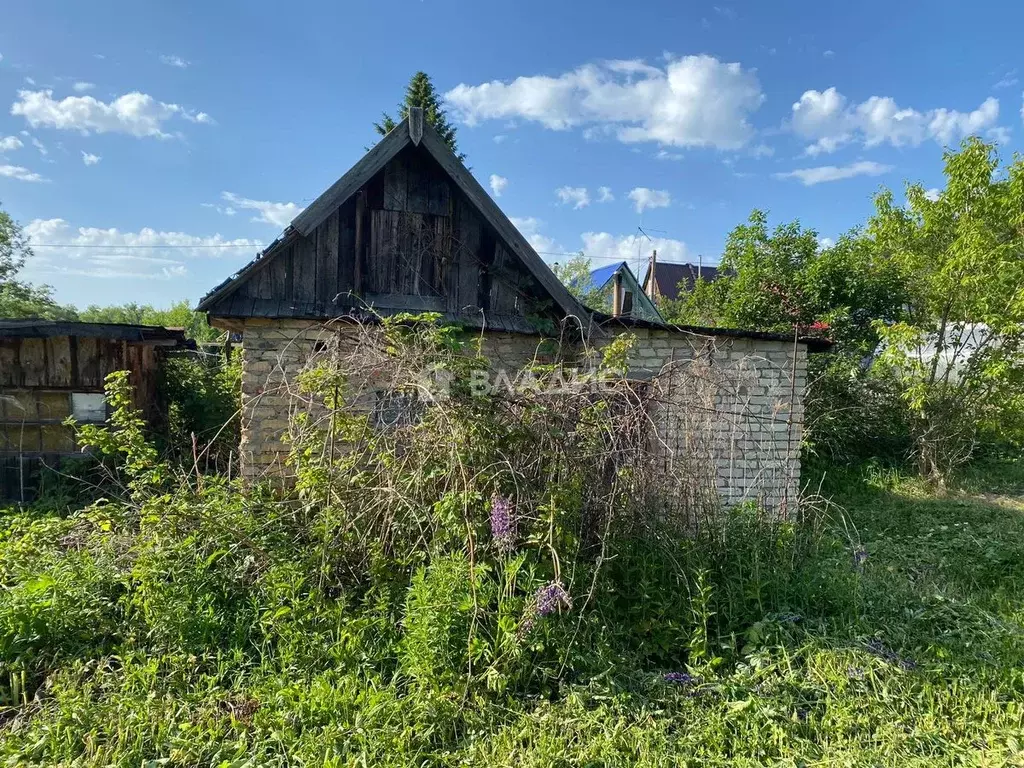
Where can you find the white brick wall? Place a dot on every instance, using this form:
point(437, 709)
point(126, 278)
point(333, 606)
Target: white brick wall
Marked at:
point(732, 403)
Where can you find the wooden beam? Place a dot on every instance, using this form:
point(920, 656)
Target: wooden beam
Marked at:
point(416, 125)
point(357, 266)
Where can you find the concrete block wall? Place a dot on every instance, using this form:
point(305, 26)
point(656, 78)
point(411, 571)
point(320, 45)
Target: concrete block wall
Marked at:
point(732, 403)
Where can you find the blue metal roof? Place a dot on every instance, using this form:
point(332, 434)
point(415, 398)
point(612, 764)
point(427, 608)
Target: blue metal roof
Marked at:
point(602, 275)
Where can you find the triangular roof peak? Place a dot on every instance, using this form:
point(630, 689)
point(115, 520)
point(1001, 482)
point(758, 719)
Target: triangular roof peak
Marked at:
point(415, 130)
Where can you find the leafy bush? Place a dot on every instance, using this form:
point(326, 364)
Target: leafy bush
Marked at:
point(203, 399)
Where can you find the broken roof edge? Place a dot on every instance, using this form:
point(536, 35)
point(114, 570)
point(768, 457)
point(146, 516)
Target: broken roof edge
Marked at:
point(228, 286)
point(37, 328)
point(813, 343)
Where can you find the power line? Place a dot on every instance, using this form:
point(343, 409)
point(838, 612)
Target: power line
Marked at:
point(93, 245)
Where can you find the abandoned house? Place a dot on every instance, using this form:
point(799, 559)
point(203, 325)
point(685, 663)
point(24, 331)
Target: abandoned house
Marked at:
point(408, 229)
point(50, 370)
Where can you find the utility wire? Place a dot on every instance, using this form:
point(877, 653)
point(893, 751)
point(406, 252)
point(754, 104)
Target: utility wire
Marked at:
point(94, 245)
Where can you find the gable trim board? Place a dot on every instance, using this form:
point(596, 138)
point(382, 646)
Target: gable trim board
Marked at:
point(364, 170)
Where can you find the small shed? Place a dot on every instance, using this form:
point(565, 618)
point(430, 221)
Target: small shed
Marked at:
point(409, 229)
point(50, 370)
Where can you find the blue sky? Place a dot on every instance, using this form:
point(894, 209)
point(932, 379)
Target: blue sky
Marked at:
point(208, 126)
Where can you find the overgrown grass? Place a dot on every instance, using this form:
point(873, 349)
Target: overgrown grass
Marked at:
point(894, 638)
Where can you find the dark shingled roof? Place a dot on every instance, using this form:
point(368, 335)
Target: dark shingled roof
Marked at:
point(668, 276)
point(34, 328)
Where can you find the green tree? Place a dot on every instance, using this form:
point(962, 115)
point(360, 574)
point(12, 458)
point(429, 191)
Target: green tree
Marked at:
point(782, 280)
point(575, 275)
point(958, 354)
point(421, 93)
point(17, 298)
point(178, 315)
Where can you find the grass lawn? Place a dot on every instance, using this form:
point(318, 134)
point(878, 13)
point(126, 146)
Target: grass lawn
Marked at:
point(915, 656)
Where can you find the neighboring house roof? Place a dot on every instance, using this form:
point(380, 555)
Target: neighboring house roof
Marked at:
point(415, 131)
point(668, 276)
point(34, 328)
point(642, 308)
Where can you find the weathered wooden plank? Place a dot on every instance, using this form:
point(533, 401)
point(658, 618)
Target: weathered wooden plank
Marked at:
point(439, 201)
point(10, 370)
point(441, 255)
point(360, 236)
point(289, 280)
point(406, 302)
point(32, 357)
point(327, 262)
point(304, 267)
point(418, 183)
point(278, 274)
point(486, 257)
point(58, 361)
point(396, 183)
point(346, 251)
point(466, 261)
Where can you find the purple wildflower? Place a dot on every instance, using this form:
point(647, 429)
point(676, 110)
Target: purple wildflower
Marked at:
point(860, 555)
point(790, 618)
point(503, 524)
point(680, 678)
point(546, 601)
point(550, 598)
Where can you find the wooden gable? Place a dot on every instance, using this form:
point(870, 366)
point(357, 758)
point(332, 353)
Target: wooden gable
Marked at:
point(408, 237)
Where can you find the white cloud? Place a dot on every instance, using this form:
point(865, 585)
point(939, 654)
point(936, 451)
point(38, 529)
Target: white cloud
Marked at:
point(96, 252)
point(10, 143)
point(604, 195)
point(829, 54)
point(529, 227)
point(136, 114)
point(39, 145)
point(19, 173)
point(826, 242)
point(1008, 80)
point(174, 61)
point(225, 210)
point(932, 194)
point(644, 198)
point(498, 184)
point(82, 87)
point(603, 246)
point(826, 118)
point(89, 159)
point(276, 214)
point(500, 138)
point(811, 176)
point(578, 196)
point(691, 101)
